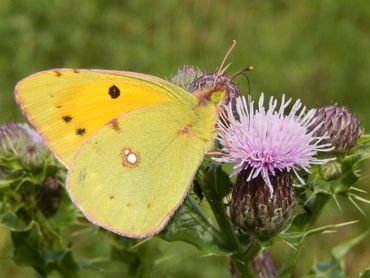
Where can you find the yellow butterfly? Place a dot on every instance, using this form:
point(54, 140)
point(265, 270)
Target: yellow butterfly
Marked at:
point(131, 142)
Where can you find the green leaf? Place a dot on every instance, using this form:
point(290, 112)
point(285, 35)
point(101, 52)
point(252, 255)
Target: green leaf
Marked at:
point(26, 248)
point(10, 162)
point(362, 148)
point(323, 189)
point(341, 185)
point(365, 273)
point(329, 269)
point(335, 267)
point(339, 251)
point(67, 213)
point(190, 225)
point(138, 257)
point(13, 223)
point(219, 179)
point(296, 238)
point(67, 266)
point(7, 181)
point(349, 175)
point(30, 250)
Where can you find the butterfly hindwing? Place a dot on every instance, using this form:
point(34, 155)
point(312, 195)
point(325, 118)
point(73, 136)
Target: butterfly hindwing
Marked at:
point(67, 106)
point(133, 173)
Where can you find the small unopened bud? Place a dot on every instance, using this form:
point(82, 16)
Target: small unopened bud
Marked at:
point(21, 142)
point(331, 170)
point(254, 209)
point(185, 77)
point(340, 125)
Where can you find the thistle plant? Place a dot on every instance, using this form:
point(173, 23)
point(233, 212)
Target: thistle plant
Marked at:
point(275, 167)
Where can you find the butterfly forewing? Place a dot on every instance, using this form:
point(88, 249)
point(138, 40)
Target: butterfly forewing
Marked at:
point(67, 106)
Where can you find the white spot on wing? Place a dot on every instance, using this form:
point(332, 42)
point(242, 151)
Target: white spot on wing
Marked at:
point(130, 158)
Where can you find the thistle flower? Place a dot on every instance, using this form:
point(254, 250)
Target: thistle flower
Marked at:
point(266, 141)
point(186, 76)
point(341, 126)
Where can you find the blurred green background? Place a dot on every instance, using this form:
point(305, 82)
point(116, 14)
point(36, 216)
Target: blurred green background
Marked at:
point(318, 51)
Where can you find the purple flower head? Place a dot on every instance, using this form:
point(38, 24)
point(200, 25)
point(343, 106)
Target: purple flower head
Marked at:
point(266, 140)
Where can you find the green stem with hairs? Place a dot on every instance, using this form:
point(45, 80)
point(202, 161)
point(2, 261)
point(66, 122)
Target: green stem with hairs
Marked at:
point(231, 242)
point(241, 257)
point(50, 234)
point(313, 211)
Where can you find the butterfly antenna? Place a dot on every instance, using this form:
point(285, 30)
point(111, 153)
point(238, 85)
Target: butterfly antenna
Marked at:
point(244, 73)
point(227, 54)
point(245, 70)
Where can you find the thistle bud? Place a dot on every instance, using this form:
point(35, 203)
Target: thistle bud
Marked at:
point(23, 151)
point(185, 77)
point(340, 125)
point(257, 210)
point(21, 142)
point(331, 170)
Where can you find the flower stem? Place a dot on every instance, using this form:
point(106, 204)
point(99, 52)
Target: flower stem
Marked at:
point(313, 210)
point(215, 185)
point(50, 234)
point(231, 242)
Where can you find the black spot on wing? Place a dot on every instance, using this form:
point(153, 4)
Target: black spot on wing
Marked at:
point(114, 92)
point(80, 131)
point(67, 118)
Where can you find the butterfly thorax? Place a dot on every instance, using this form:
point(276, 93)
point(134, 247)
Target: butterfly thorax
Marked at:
point(208, 99)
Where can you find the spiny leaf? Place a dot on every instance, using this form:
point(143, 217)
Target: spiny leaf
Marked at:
point(190, 225)
point(30, 250)
point(335, 267)
point(297, 237)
